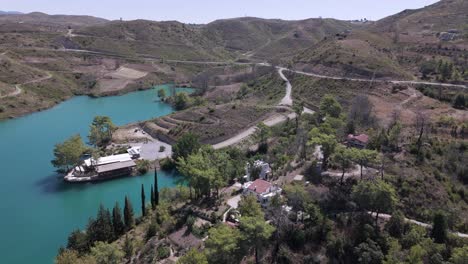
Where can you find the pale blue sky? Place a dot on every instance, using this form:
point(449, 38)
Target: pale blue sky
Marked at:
point(203, 11)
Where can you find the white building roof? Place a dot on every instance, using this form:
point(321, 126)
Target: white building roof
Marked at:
point(109, 159)
point(134, 150)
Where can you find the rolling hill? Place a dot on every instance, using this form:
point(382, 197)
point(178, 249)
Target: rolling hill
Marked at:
point(396, 46)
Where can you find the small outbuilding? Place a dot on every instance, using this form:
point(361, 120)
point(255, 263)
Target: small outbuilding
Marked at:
point(359, 141)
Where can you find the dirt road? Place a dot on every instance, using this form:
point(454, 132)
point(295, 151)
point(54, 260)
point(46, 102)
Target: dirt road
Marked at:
point(287, 100)
point(381, 81)
point(387, 217)
point(18, 89)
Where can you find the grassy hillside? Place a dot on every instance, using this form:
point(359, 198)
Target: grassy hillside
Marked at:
point(171, 40)
point(356, 53)
point(52, 22)
point(271, 38)
point(397, 46)
point(441, 16)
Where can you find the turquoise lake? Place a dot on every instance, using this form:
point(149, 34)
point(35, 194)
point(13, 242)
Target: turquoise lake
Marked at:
point(38, 209)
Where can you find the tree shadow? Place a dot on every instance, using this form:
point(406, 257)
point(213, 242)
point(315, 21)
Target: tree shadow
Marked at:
point(53, 184)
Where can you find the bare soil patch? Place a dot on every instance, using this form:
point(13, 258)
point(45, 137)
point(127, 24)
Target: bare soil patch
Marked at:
point(223, 92)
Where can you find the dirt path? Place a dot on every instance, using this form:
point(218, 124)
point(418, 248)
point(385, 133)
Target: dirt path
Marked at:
point(271, 121)
point(387, 217)
point(287, 100)
point(18, 89)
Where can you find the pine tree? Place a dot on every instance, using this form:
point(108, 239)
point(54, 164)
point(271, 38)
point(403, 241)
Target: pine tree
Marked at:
point(143, 207)
point(153, 202)
point(117, 221)
point(101, 229)
point(128, 214)
point(156, 189)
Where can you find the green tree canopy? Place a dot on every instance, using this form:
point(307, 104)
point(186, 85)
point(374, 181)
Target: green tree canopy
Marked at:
point(68, 256)
point(363, 157)
point(199, 172)
point(162, 93)
point(186, 145)
point(129, 219)
point(223, 245)
point(296, 196)
point(460, 255)
point(439, 228)
point(101, 229)
point(68, 153)
point(193, 256)
point(256, 232)
point(117, 222)
point(264, 133)
point(460, 101)
point(181, 101)
point(298, 108)
point(343, 157)
point(105, 253)
point(128, 247)
point(327, 142)
point(78, 241)
point(369, 252)
point(101, 130)
point(329, 106)
point(249, 206)
point(377, 196)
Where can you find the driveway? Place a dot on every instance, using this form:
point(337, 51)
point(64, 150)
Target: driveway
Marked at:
point(234, 201)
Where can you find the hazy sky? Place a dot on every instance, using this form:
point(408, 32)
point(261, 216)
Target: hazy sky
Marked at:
point(203, 11)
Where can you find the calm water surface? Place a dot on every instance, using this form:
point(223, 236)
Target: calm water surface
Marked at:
point(38, 210)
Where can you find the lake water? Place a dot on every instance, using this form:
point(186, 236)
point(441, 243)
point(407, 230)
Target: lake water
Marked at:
point(38, 210)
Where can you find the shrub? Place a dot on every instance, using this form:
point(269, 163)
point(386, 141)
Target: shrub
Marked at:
point(163, 252)
point(162, 148)
point(142, 166)
point(151, 231)
point(167, 164)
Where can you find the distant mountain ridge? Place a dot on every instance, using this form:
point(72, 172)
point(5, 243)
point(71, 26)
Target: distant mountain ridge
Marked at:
point(9, 12)
point(54, 21)
point(323, 45)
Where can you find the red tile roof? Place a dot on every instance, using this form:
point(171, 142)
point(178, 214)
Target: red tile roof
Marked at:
point(259, 186)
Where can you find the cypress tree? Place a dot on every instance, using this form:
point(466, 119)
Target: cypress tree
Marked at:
point(153, 202)
point(439, 228)
point(128, 214)
point(156, 189)
point(117, 221)
point(143, 207)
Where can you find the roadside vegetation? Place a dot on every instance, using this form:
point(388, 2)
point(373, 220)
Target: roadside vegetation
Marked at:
point(351, 207)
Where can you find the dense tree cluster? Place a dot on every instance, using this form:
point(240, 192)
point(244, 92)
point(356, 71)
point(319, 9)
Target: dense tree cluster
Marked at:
point(206, 170)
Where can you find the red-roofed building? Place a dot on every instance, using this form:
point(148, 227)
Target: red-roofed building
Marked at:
point(262, 189)
point(359, 141)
